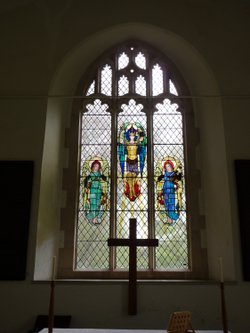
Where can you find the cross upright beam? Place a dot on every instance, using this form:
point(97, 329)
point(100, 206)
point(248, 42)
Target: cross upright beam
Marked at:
point(132, 242)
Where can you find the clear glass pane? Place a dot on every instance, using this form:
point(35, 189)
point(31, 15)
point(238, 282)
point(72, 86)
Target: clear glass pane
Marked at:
point(171, 254)
point(167, 124)
point(123, 61)
point(122, 259)
point(140, 60)
point(172, 88)
point(123, 85)
point(140, 85)
point(157, 80)
point(170, 198)
point(94, 189)
point(106, 80)
point(91, 89)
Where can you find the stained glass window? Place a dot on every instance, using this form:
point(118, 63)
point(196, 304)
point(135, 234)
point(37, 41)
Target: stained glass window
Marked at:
point(94, 190)
point(132, 163)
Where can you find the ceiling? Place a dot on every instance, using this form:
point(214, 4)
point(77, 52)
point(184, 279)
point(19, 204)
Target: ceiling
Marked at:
point(9, 5)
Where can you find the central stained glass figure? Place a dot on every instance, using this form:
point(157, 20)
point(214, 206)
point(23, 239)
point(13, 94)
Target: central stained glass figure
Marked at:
point(132, 153)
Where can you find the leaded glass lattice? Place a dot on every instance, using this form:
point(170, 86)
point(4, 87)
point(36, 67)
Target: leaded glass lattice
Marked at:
point(94, 190)
point(106, 80)
point(140, 85)
point(132, 179)
point(123, 60)
point(123, 85)
point(170, 198)
point(157, 80)
point(132, 165)
point(140, 60)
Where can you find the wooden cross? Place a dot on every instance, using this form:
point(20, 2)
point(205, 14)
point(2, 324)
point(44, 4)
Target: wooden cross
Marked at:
point(132, 242)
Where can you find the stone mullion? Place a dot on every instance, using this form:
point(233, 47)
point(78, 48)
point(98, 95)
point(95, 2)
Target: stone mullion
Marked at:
point(113, 185)
point(150, 167)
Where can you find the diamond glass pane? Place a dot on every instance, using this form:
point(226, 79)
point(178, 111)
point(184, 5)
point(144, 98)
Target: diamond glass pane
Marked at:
point(172, 88)
point(157, 80)
point(170, 198)
point(91, 89)
point(106, 80)
point(140, 60)
point(123, 61)
point(123, 85)
point(140, 85)
point(122, 261)
point(94, 189)
point(132, 182)
point(171, 254)
point(168, 124)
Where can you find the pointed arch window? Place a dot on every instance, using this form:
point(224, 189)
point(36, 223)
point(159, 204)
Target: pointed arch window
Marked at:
point(134, 139)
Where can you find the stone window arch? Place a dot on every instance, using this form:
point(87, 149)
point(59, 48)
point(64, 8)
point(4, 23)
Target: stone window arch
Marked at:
point(131, 124)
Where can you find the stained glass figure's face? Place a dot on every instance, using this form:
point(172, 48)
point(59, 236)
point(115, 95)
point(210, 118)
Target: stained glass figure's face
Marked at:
point(169, 167)
point(132, 136)
point(95, 166)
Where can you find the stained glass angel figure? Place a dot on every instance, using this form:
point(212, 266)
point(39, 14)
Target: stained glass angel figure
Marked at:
point(169, 189)
point(132, 153)
point(94, 192)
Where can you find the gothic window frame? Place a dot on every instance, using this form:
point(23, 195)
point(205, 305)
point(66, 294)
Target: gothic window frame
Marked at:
point(197, 251)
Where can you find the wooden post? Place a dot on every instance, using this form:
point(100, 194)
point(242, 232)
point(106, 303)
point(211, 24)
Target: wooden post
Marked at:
point(223, 308)
point(222, 295)
point(51, 307)
point(51, 301)
point(132, 296)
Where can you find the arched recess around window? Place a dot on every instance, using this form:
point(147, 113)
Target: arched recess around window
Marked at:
point(136, 88)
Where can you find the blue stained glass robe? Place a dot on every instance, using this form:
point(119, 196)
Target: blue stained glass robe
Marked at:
point(170, 200)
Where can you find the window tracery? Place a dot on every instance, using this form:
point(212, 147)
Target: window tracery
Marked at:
point(132, 164)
